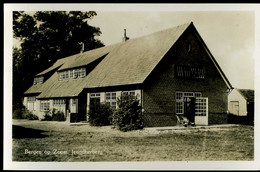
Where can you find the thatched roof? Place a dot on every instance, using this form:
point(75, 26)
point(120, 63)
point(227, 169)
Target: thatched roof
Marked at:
point(131, 62)
point(248, 94)
point(125, 63)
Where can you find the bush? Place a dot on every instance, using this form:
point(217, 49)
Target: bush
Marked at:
point(99, 114)
point(128, 116)
point(29, 115)
point(57, 115)
point(23, 113)
point(54, 115)
point(18, 114)
point(47, 116)
point(18, 111)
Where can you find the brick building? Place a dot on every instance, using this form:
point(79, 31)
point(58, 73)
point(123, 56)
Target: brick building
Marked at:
point(171, 71)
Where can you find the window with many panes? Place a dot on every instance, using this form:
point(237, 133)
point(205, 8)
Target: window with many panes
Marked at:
point(38, 80)
point(189, 72)
point(180, 100)
point(72, 73)
point(44, 105)
point(58, 102)
point(31, 99)
point(129, 92)
point(111, 99)
point(94, 97)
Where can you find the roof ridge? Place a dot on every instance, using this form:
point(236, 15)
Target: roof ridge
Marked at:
point(157, 32)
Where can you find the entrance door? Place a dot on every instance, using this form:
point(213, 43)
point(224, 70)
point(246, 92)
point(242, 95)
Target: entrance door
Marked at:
point(201, 111)
point(189, 108)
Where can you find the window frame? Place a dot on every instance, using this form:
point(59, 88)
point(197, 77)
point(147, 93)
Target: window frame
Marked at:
point(44, 105)
point(179, 97)
point(111, 99)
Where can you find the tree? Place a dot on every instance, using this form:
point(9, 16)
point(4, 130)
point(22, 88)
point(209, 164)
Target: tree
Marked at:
point(45, 37)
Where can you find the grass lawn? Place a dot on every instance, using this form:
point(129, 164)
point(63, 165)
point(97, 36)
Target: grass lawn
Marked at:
point(58, 141)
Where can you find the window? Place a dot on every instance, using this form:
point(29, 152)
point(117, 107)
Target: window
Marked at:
point(189, 72)
point(82, 72)
point(31, 103)
point(180, 100)
point(188, 47)
point(94, 97)
point(129, 92)
point(31, 99)
point(74, 101)
point(45, 105)
point(38, 80)
point(58, 102)
point(111, 99)
point(179, 103)
point(72, 73)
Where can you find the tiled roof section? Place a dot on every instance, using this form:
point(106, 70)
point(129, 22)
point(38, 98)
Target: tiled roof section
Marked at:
point(57, 64)
point(65, 88)
point(125, 63)
point(248, 94)
point(34, 89)
point(131, 62)
point(85, 58)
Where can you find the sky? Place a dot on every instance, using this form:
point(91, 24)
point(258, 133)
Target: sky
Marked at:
point(229, 35)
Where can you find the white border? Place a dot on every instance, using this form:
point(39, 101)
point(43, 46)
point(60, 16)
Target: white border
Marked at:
point(194, 165)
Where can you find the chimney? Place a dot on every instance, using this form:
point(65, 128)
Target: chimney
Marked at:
point(82, 47)
point(125, 38)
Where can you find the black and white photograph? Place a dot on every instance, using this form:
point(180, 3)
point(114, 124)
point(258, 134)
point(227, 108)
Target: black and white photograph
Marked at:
point(131, 86)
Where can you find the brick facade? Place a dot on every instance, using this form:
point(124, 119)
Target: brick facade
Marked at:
point(159, 90)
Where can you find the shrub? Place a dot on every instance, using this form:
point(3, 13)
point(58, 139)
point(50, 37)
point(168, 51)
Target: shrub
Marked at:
point(24, 113)
point(18, 114)
point(47, 116)
point(128, 116)
point(57, 115)
point(99, 114)
point(18, 111)
point(29, 115)
point(54, 115)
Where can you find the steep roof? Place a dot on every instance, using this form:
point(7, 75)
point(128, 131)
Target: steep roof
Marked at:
point(71, 87)
point(125, 63)
point(248, 94)
point(132, 61)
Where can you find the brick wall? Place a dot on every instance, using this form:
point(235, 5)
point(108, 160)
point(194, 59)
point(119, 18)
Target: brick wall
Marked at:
point(160, 87)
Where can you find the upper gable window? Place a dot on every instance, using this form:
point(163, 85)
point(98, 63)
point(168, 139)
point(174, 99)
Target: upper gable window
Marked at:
point(38, 80)
point(188, 47)
point(72, 73)
point(189, 72)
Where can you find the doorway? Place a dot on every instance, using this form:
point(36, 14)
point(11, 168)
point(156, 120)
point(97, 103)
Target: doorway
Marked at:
point(189, 108)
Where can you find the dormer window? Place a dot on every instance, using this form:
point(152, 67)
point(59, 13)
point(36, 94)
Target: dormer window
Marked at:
point(38, 80)
point(72, 73)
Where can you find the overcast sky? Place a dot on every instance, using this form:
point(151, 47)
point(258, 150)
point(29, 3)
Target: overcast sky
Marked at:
point(228, 34)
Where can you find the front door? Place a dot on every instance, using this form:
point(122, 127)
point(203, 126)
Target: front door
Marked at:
point(189, 108)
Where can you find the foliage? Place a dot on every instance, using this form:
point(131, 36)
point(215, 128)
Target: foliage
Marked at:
point(128, 116)
point(46, 36)
point(18, 113)
point(31, 116)
point(57, 115)
point(23, 113)
point(53, 115)
point(47, 116)
point(99, 114)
